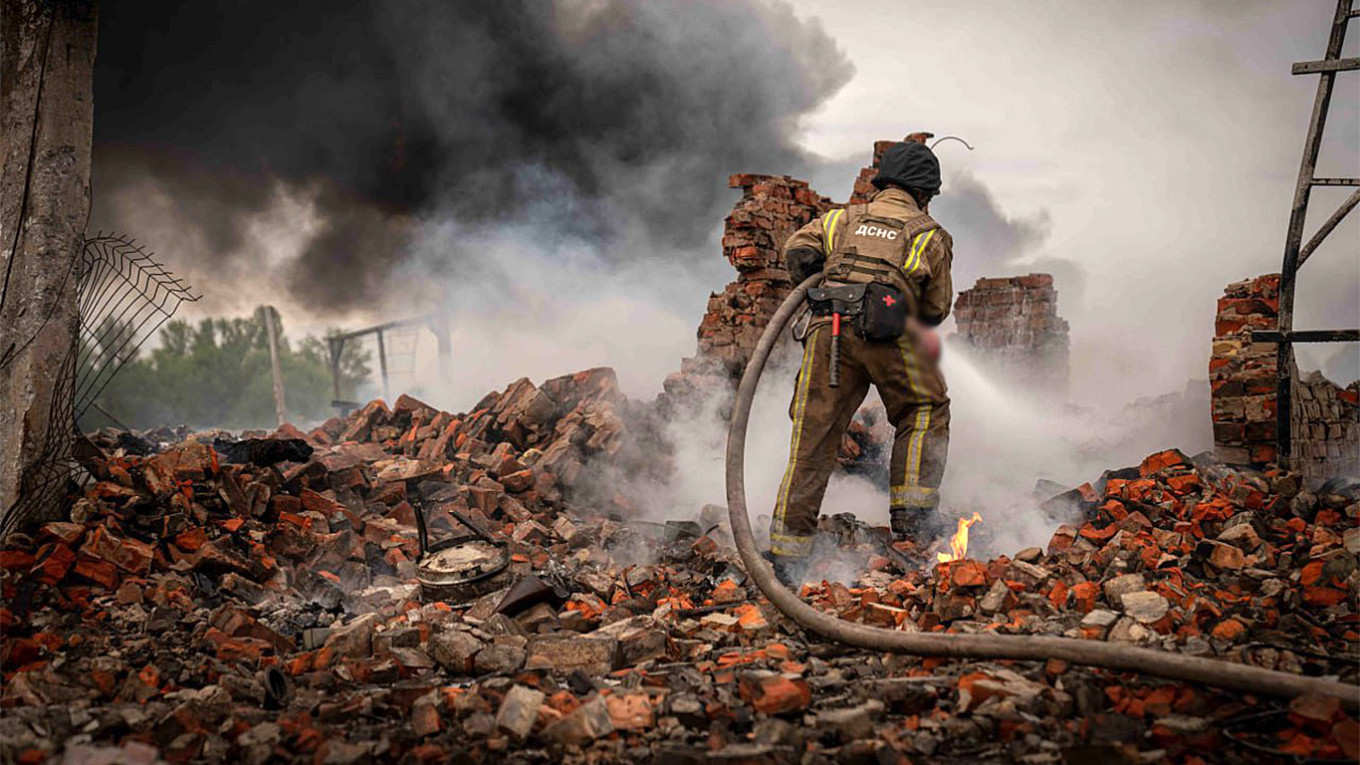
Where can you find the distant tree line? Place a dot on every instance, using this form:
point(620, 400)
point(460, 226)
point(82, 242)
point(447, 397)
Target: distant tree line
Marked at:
point(217, 374)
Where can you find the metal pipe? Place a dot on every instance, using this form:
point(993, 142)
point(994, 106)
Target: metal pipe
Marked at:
point(1093, 653)
point(382, 365)
point(439, 325)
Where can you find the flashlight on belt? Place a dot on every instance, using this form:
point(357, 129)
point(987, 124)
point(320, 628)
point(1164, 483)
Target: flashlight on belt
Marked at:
point(835, 350)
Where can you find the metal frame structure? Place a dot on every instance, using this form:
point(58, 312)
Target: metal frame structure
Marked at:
point(1296, 252)
point(437, 323)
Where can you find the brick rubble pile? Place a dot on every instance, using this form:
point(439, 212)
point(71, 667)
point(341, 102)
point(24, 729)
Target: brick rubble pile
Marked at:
point(196, 610)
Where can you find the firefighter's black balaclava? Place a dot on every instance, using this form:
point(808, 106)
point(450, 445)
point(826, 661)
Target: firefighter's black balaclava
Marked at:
point(910, 165)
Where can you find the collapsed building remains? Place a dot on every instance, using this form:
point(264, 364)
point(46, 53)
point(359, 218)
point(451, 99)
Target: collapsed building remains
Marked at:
point(1243, 374)
point(203, 604)
point(259, 600)
point(1011, 327)
point(771, 208)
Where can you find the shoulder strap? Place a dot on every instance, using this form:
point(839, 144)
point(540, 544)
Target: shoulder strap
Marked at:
point(833, 221)
point(920, 224)
point(920, 231)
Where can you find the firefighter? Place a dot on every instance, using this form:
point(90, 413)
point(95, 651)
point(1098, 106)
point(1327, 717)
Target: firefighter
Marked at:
point(894, 247)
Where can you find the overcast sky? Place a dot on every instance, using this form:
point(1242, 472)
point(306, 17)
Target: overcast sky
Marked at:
point(1161, 141)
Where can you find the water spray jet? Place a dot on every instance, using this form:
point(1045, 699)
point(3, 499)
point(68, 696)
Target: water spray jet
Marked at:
point(1028, 647)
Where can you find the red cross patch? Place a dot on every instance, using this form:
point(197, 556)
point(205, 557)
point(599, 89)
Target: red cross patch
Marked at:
point(889, 301)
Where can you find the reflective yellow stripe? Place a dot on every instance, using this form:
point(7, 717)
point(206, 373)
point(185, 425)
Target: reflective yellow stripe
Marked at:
point(783, 544)
point(917, 248)
point(912, 470)
point(918, 436)
point(914, 496)
point(921, 248)
point(913, 382)
point(799, 409)
point(829, 225)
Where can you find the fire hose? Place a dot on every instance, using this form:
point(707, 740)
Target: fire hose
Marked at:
point(1213, 672)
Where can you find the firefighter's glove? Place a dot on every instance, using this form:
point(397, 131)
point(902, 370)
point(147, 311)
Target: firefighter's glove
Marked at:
point(805, 262)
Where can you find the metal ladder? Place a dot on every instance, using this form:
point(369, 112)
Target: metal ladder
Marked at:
point(1295, 251)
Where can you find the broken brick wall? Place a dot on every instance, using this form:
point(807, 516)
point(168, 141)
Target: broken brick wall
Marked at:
point(1326, 427)
point(1242, 375)
point(864, 187)
point(771, 208)
point(1011, 326)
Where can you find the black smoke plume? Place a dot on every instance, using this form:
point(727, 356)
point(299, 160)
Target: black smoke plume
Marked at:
point(624, 115)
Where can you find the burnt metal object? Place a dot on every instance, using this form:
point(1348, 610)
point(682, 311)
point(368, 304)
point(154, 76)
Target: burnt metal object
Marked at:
point(462, 567)
point(690, 613)
point(263, 451)
point(682, 532)
point(1247, 730)
point(527, 592)
point(1295, 251)
point(1306, 336)
point(278, 689)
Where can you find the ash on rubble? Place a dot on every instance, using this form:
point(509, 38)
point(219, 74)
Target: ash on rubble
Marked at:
point(259, 599)
point(199, 610)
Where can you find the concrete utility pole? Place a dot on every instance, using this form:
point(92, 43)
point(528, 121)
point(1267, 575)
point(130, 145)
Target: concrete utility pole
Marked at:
point(270, 318)
point(47, 50)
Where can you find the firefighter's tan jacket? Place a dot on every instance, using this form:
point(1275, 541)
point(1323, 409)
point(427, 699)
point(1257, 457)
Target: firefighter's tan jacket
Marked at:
point(921, 249)
point(890, 239)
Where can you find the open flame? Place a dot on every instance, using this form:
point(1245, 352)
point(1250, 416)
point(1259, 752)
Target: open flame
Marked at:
point(958, 545)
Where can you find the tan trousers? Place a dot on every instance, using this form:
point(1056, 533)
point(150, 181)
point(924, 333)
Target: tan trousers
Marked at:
point(914, 393)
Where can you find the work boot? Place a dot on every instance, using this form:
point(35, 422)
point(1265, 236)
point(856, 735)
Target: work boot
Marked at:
point(788, 569)
point(911, 524)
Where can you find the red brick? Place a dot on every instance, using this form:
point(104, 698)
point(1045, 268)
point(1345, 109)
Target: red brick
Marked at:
point(100, 572)
point(56, 560)
point(68, 534)
point(779, 695)
point(16, 560)
point(128, 554)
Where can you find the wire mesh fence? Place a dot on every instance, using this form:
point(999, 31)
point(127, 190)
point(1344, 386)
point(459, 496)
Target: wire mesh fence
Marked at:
point(123, 296)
